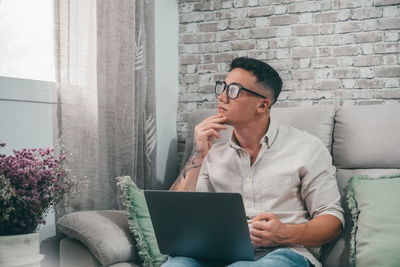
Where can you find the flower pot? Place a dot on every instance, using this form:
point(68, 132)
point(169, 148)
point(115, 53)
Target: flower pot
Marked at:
point(20, 250)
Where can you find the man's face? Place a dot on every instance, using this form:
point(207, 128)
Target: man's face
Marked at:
point(243, 109)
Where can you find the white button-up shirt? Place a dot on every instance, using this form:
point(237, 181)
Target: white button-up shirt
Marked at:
point(293, 177)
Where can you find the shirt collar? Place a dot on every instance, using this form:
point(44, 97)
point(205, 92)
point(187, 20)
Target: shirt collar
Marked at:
point(268, 138)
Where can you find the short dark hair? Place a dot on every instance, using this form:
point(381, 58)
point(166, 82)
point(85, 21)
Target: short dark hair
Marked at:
point(266, 75)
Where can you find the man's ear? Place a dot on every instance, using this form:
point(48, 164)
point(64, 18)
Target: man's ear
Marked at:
point(265, 105)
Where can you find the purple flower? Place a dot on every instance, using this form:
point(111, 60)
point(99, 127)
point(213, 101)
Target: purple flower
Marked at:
point(31, 180)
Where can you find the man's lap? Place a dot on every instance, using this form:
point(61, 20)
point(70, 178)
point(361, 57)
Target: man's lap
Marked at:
point(282, 257)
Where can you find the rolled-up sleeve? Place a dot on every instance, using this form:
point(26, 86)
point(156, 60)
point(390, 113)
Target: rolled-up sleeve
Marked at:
point(319, 186)
point(203, 182)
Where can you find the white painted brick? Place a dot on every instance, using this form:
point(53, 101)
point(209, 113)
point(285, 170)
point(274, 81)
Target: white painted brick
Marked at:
point(392, 82)
point(391, 36)
point(327, 28)
point(186, 8)
point(346, 61)
point(280, 9)
point(283, 42)
point(365, 13)
point(387, 48)
point(283, 31)
point(306, 18)
point(268, 54)
point(323, 74)
point(262, 44)
point(284, 20)
point(391, 11)
point(301, 30)
point(326, 62)
point(223, 25)
point(303, 52)
point(260, 11)
point(346, 38)
point(227, 4)
point(326, 17)
point(386, 2)
point(253, 2)
point(263, 32)
point(240, 3)
point(339, 73)
point(390, 23)
point(368, 83)
point(363, 61)
point(390, 59)
point(305, 63)
point(348, 26)
point(307, 84)
point(369, 25)
point(191, 27)
point(290, 85)
point(302, 7)
point(324, 51)
point(236, 24)
point(348, 50)
point(367, 49)
point(368, 37)
point(302, 74)
point(282, 53)
point(343, 14)
point(388, 71)
point(348, 83)
point(191, 68)
point(367, 72)
point(261, 22)
point(327, 84)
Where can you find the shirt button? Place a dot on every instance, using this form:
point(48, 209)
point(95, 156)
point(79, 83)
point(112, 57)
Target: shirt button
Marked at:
point(248, 178)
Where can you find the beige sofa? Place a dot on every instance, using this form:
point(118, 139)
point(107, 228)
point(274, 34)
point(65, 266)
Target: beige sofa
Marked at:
point(363, 140)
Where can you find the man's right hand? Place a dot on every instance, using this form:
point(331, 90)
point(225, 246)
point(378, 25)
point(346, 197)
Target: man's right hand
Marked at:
point(206, 131)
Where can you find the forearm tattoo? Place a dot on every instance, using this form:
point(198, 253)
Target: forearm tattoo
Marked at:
point(190, 165)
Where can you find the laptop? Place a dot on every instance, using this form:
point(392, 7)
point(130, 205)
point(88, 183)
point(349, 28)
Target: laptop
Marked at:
point(203, 225)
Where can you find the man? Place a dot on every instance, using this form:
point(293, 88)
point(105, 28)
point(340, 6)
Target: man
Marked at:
point(284, 175)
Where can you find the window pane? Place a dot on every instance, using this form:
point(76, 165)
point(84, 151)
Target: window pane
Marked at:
point(26, 39)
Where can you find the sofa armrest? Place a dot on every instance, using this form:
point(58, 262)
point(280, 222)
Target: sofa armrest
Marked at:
point(74, 253)
point(104, 234)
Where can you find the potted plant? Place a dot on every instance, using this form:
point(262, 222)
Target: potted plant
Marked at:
point(31, 181)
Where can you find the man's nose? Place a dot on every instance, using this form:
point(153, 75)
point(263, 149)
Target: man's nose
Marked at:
point(223, 97)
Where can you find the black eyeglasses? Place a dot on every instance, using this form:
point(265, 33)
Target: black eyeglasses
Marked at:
point(233, 89)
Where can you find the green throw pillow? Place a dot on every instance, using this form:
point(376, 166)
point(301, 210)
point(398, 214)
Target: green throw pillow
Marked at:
point(375, 208)
point(140, 222)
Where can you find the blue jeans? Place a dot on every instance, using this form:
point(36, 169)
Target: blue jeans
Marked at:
point(282, 257)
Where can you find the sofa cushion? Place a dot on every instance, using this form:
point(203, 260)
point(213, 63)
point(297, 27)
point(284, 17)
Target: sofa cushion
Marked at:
point(105, 233)
point(374, 205)
point(337, 252)
point(367, 137)
point(140, 222)
point(316, 120)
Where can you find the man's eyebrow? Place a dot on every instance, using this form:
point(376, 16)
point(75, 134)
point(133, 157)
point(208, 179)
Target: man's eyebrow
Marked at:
point(234, 83)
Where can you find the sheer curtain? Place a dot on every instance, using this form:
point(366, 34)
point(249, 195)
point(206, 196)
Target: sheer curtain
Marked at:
point(106, 96)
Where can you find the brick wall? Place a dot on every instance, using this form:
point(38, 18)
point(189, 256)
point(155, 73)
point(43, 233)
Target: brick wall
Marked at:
point(340, 52)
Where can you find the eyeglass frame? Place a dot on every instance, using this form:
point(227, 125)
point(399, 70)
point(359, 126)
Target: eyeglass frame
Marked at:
point(226, 87)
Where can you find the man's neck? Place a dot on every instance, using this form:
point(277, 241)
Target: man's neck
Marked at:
point(248, 136)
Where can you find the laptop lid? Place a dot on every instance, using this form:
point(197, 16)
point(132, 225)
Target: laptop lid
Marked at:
point(202, 225)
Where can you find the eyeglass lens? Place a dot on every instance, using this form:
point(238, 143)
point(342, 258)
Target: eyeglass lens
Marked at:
point(233, 89)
